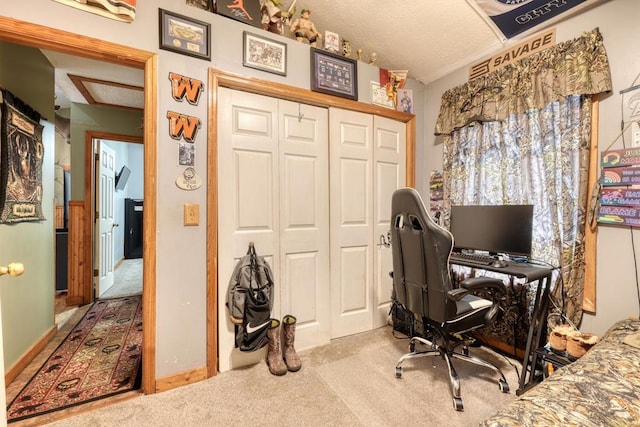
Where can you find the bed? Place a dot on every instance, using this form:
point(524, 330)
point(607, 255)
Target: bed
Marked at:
point(602, 388)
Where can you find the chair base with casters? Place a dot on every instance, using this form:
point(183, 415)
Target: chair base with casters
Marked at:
point(446, 350)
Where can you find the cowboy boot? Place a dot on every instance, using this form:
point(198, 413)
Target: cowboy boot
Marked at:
point(288, 335)
point(274, 354)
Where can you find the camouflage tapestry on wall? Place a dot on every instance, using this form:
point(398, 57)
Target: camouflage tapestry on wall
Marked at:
point(21, 167)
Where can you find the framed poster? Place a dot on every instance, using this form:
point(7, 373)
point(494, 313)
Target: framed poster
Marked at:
point(246, 11)
point(264, 54)
point(334, 74)
point(379, 96)
point(185, 35)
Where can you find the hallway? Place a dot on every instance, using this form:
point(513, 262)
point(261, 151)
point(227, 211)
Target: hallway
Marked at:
point(127, 281)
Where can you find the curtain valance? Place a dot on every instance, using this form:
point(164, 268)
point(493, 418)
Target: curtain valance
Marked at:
point(576, 67)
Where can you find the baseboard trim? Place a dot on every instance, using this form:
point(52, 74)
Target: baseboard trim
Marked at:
point(181, 379)
point(30, 354)
point(74, 300)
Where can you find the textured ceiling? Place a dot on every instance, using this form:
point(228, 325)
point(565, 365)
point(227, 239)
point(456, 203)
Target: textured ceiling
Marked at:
point(429, 38)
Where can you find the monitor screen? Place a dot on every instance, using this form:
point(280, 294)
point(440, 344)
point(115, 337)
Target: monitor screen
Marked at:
point(497, 229)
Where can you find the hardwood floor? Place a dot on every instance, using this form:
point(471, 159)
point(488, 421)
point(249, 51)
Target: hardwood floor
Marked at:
point(60, 304)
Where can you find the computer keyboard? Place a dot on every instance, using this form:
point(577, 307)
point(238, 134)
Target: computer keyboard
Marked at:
point(474, 258)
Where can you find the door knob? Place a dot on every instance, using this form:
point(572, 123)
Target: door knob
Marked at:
point(13, 269)
point(115, 224)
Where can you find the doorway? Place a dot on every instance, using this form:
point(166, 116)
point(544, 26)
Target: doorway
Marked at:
point(118, 214)
point(27, 34)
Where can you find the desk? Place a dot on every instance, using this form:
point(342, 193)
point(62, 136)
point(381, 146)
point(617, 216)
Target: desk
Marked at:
point(536, 337)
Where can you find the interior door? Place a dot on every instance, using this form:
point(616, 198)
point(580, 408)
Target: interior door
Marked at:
point(105, 180)
point(352, 221)
point(304, 221)
point(247, 193)
point(389, 142)
point(273, 190)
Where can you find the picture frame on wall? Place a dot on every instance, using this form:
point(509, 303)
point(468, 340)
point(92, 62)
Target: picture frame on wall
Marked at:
point(246, 11)
point(184, 35)
point(331, 41)
point(379, 96)
point(264, 54)
point(333, 74)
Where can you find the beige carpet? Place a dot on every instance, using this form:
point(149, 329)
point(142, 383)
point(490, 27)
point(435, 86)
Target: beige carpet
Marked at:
point(127, 279)
point(350, 382)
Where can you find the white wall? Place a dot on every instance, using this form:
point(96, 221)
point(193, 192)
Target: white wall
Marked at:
point(181, 251)
point(130, 155)
point(616, 281)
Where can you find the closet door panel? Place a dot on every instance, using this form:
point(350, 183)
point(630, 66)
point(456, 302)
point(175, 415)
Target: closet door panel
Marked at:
point(248, 191)
point(254, 208)
point(304, 221)
point(389, 175)
point(351, 207)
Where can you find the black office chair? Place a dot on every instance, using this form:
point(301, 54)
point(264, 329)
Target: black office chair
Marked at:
point(422, 285)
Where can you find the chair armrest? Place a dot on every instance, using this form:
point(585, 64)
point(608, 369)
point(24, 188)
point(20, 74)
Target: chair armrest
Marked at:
point(474, 284)
point(457, 294)
point(482, 283)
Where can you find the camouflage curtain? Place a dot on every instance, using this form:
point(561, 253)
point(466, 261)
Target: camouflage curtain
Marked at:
point(521, 136)
point(575, 67)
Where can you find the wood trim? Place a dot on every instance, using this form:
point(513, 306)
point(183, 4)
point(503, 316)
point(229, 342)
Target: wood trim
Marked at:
point(77, 265)
point(181, 379)
point(79, 82)
point(295, 94)
point(591, 233)
point(217, 79)
point(38, 36)
point(149, 226)
point(13, 372)
point(212, 227)
point(28, 34)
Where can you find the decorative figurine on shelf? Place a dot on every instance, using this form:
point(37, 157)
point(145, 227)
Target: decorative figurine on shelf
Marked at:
point(373, 58)
point(346, 48)
point(304, 29)
point(273, 18)
point(359, 54)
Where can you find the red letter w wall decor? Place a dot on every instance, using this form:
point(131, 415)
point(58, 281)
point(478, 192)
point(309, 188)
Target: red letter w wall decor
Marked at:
point(183, 126)
point(182, 86)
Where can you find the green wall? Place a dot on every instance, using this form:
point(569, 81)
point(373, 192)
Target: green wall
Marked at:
point(27, 300)
point(25, 72)
point(96, 118)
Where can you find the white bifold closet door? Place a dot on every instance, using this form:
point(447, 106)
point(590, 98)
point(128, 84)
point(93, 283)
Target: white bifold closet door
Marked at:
point(273, 189)
point(367, 163)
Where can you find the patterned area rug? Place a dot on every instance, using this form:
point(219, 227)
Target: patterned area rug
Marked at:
point(100, 357)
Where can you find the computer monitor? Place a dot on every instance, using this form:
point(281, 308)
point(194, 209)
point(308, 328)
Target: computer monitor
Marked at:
point(497, 229)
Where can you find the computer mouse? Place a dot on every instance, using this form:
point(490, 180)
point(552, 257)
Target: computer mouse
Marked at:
point(498, 263)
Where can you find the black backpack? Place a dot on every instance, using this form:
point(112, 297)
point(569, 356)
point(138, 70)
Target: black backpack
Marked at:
point(249, 300)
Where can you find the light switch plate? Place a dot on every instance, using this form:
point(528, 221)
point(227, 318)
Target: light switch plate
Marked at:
point(191, 214)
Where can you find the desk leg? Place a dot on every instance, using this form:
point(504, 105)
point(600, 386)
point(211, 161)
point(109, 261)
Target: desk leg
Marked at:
point(538, 321)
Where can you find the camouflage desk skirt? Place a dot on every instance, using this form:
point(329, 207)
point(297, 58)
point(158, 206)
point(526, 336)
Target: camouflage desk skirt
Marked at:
point(602, 388)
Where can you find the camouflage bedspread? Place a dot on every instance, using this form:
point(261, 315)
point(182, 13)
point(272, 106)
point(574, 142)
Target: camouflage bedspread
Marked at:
point(602, 388)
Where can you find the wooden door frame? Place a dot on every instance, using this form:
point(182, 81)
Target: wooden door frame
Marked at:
point(90, 201)
point(40, 37)
point(219, 78)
